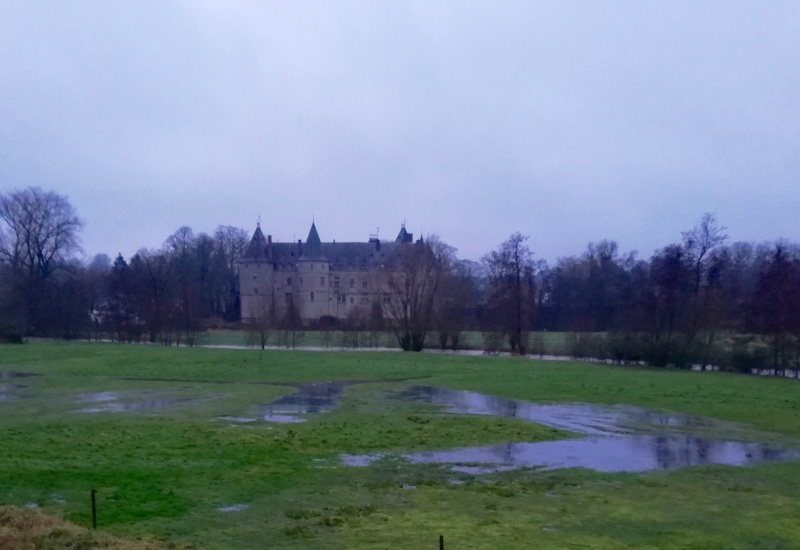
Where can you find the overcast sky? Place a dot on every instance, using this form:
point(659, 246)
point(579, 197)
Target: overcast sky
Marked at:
point(567, 121)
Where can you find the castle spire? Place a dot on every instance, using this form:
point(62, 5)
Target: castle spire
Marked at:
point(313, 247)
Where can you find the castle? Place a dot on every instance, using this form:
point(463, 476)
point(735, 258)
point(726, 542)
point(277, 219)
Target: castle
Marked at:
point(315, 280)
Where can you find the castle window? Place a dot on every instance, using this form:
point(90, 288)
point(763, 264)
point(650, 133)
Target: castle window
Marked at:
point(363, 284)
point(288, 297)
point(289, 281)
point(352, 283)
point(322, 281)
point(255, 277)
point(351, 299)
point(364, 299)
point(311, 297)
point(301, 280)
point(336, 283)
point(255, 290)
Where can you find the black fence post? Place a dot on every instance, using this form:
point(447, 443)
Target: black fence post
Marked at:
point(441, 542)
point(94, 509)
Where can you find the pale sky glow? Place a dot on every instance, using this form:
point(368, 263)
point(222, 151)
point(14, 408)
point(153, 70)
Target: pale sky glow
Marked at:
point(567, 121)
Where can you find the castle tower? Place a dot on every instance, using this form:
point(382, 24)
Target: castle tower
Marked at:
point(313, 269)
point(256, 277)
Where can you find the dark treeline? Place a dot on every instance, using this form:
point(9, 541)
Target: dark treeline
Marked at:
point(164, 295)
point(699, 301)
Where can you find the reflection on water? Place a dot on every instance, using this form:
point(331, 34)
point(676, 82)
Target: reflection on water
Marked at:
point(15, 374)
point(115, 402)
point(312, 398)
point(633, 453)
point(7, 391)
point(233, 508)
point(581, 418)
point(97, 397)
point(612, 444)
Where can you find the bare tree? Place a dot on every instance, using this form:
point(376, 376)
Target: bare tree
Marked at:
point(154, 282)
point(229, 245)
point(701, 240)
point(700, 244)
point(41, 230)
point(38, 231)
point(412, 286)
point(261, 322)
point(511, 288)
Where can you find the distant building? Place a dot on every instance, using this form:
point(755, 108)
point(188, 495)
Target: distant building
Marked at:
point(315, 280)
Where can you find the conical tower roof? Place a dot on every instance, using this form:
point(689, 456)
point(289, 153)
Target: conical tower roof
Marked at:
point(257, 250)
point(404, 236)
point(313, 247)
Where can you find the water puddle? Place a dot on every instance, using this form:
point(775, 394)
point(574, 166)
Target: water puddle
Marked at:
point(7, 391)
point(233, 508)
point(637, 453)
point(310, 398)
point(580, 418)
point(618, 439)
point(115, 402)
point(4, 374)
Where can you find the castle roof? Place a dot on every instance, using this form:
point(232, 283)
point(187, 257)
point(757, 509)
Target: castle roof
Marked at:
point(404, 236)
point(341, 256)
point(257, 249)
point(313, 248)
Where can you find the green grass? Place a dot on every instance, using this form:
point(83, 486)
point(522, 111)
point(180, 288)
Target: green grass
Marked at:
point(165, 472)
point(555, 343)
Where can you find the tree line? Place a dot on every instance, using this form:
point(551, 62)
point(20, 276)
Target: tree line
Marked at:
point(701, 300)
point(166, 295)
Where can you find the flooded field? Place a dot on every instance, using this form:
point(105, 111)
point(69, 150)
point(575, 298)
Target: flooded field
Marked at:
point(126, 401)
point(618, 439)
point(7, 391)
point(5, 374)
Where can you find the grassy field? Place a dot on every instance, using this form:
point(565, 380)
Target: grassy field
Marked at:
point(554, 343)
point(167, 472)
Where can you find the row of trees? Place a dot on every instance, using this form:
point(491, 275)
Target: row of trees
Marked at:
point(163, 295)
point(699, 300)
